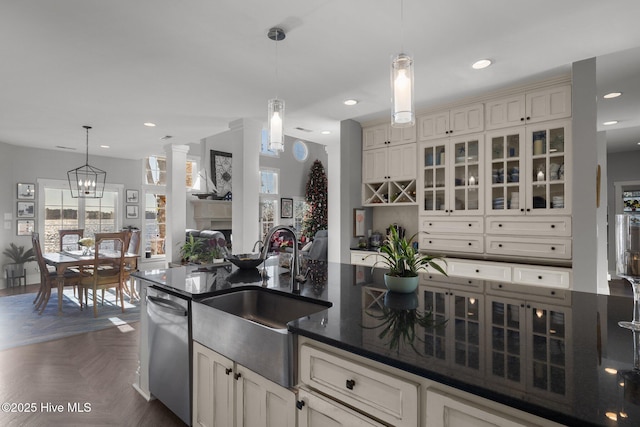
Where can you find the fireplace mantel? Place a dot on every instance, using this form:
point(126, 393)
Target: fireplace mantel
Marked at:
point(212, 214)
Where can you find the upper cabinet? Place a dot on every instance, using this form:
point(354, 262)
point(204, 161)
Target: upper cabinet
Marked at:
point(530, 107)
point(384, 135)
point(459, 121)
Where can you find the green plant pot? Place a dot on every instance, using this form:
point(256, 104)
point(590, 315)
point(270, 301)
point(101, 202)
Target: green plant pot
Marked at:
point(401, 301)
point(403, 285)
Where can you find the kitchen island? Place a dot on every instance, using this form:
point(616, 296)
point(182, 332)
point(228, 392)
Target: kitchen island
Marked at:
point(558, 355)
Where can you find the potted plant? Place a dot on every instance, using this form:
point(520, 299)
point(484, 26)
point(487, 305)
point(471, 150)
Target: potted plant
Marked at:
point(403, 261)
point(192, 250)
point(18, 256)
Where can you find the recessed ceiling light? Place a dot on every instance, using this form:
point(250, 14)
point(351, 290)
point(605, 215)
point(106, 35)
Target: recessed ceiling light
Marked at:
point(612, 95)
point(105, 146)
point(325, 132)
point(351, 102)
point(150, 125)
point(611, 122)
point(483, 63)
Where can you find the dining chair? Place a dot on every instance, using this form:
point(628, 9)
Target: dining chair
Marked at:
point(110, 249)
point(131, 264)
point(69, 239)
point(48, 279)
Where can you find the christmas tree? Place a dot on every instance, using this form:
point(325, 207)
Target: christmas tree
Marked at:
point(316, 196)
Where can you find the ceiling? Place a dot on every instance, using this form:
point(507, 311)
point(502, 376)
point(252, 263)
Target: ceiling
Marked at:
point(192, 67)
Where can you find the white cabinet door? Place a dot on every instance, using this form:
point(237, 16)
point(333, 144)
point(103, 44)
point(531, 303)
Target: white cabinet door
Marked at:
point(319, 411)
point(505, 112)
point(465, 179)
point(212, 388)
point(548, 104)
point(375, 137)
point(402, 135)
point(469, 119)
point(374, 165)
point(433, 126)
point(262, 403)
point(446, 411)
point(401, 162)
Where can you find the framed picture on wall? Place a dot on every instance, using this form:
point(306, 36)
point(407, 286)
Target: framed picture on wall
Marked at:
point(26, 191)
point(132, 211)
point(221, 171)
point(358, 222)
point(132, 196)
point(286, 208)
point(26, 210)
point(26, 227)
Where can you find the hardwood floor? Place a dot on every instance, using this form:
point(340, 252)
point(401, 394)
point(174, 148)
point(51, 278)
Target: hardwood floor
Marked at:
point(16, 290)
point(95, 368)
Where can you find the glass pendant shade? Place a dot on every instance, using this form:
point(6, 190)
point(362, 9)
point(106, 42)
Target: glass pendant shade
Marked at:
point(87, 181)
point(402, 110)
point(276, 128)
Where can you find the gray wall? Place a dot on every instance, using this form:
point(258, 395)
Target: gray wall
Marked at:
point(294, 174)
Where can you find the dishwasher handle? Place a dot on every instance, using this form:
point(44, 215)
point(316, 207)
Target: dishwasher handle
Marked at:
point(167, 306)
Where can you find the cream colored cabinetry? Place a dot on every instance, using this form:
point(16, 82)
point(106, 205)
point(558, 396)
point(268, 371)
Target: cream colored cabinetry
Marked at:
point(319, 411)
point(383, 135)
point(220, 385)
point(531, 107)
point(451, 173)
point(389, 175)
point(384, 396)
point(366, 258)
point(446, 411)
point(458, 121)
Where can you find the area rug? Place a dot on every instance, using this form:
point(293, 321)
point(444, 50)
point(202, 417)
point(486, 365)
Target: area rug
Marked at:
point(21, 325)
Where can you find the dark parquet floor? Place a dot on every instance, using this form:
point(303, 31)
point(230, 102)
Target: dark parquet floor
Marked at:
point(96, 368)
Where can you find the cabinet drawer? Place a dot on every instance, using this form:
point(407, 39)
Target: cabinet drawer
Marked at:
point(479, 270)
point(529, 247)
point(363, 258)
point(382, 395)
point(452, 225)
point(457, 282)
point(458, 243)
point(553, 278)
point(530, 226)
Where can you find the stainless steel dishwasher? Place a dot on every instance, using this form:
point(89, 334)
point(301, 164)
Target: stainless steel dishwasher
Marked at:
point(169, 354)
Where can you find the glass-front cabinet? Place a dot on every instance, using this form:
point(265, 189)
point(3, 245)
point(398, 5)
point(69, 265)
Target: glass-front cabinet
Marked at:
point(529, 169)
point(451, 176)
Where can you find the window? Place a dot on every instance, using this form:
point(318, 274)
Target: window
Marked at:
point(300, 151)
point(269, 181)
point(264, 146)
point(268, 215)
point(155, 222)
point(156, 171)
point(62, 212)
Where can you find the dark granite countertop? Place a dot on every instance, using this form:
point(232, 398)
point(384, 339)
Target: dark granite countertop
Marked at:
point(564, 359)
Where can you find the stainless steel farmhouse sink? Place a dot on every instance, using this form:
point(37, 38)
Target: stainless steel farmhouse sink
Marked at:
point(249, 326)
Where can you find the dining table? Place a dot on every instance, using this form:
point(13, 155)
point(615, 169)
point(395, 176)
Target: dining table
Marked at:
point(81, 259)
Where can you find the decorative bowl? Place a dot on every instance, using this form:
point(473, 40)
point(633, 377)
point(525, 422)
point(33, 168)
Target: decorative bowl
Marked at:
point(245, 261)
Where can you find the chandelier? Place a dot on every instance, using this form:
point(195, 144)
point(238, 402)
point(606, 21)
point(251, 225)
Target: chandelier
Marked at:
point(86, 181)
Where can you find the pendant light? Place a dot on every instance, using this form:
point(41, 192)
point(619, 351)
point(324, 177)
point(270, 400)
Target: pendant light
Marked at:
point(275, 114)
point(402, 109)
point(87, 182)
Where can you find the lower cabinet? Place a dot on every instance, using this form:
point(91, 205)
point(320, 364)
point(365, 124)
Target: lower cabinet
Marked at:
point(319, 411)
point(446, 411)
point(228, 394)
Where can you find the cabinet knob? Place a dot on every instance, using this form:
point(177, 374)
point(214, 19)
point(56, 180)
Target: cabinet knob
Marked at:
point(499, 245)
point(500, 285)
point(300, 404)
point(528, 306)
point(470, 225)
point(522, 119)
point(499, 225)
point(522, 305)
point(228, 371)
point(528, 210)
point(553, 226)
point(553, 292)
point(430, 224)
point(477, 270)
point(539, 277)
point(237, 376)
point(470, 281)
point(553, 248)
point(528, 118)
point(350, 384)
point(430, 242)
point(470, 244)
